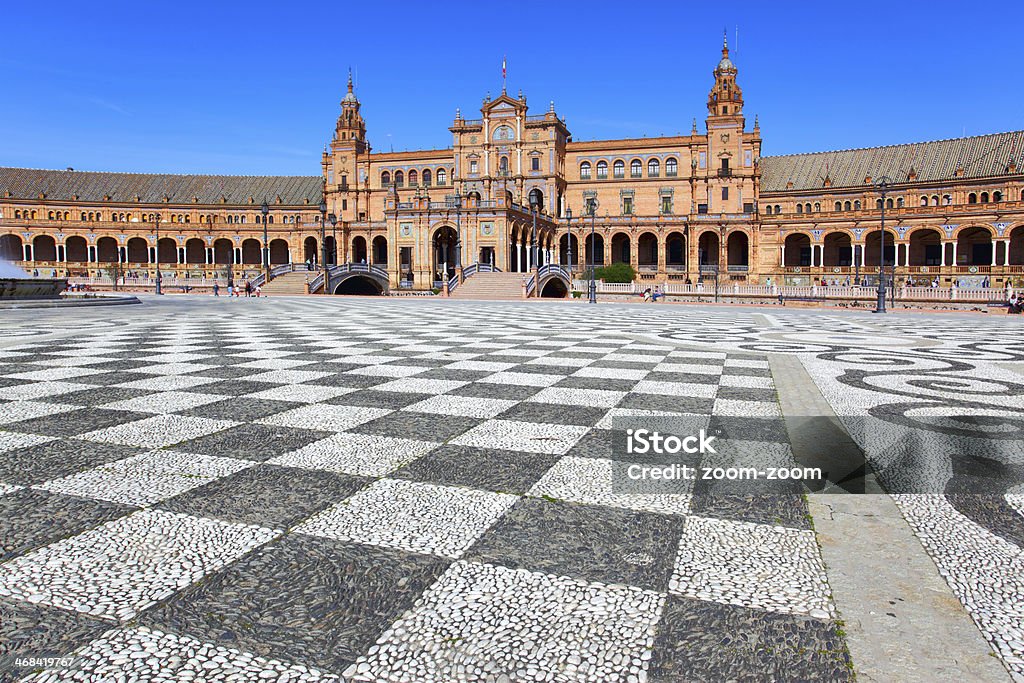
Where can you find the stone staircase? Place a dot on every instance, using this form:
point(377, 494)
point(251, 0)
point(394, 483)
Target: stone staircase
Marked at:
point(288, 284)
point(491, 286)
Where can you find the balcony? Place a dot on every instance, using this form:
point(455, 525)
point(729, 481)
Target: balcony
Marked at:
point(725, 173)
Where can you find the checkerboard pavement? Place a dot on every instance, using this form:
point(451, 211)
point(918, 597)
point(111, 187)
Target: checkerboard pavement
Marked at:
point(428, 502)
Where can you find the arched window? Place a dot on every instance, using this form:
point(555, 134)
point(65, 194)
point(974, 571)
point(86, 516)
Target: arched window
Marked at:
point(619, 168)
point(799, 208)
point(503, 166)
point(924, 200)
point(49, 216)
point(83, 216)
point(671, 167)
point(778, 209)
point(972, 198)
point(385, 179)
point(585, 170)
point(817, 207)
point(847, 206)
point(414, 178)
point(399, 179)
point(935, 200)
point(270, 220)
point(856, 205)
point(878, 203)
point(839, 206)
point(426, 177)
point(768, 210)
point(602, 170)
point(17, 214)
point(997, 196)
point(635, 169)
point(899, 203)
point(807, 207)
point(243, 220)
point(653, 168)
point(984, 197)
point(33, 215)
point(888, 203)
point(442, 177)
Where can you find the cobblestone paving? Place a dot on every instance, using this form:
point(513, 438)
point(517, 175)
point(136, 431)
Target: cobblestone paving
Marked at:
point(421, 491)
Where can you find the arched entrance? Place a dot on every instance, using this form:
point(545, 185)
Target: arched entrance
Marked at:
point(647, 251)
point(222, 252)
point(380, 251)
point(1017, 246)
point(251, 252)
point(76, 250)
point(167, 250)
point(568, 244)
point(737, 252)
point(332, 250)
point(44, 248)
point(359, 249)
point(443, 243)
point(675, 251)
point(974, 247)
point(594, 246)
point(707, 249)
point(837, 250)
point(536, 196)
point(138, 250)
point(106, 250)
point(620, 248)
point(798, 250)
point(358, 285)
point(195, 251)
point(872, 246)
point(554, 289)
point(925, 248)
point(309, 252)
point(278, 252)
point(11, 248)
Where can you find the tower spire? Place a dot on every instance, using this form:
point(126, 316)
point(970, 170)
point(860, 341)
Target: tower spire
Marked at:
point(350, 79)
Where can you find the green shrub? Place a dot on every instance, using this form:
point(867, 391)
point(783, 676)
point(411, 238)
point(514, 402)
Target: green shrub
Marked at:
point(616, 272)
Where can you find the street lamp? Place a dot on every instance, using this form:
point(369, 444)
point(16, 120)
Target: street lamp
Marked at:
point(534, 202)
point(457, 203)
point(568, 240)
point(333, 220)
point(883, 188)
point(156, 251)
point(323, 243)
point(264, 209)
point(592, 205)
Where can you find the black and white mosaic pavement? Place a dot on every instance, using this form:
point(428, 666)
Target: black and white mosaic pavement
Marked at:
point(421, 491)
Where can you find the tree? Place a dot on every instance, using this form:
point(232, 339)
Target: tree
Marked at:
point(114, 271)
point(616, 272)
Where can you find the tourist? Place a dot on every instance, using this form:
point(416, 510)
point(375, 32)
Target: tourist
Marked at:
point(258, 291)
point(248, 288)
point(231, 289)
point(216, 289)
point(647, 295)
point(657, 294)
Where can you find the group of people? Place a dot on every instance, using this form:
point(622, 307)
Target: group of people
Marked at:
point(238, 290)
point(652, 295)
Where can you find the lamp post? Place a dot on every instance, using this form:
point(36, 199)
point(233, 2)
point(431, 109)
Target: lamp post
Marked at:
point(333, 220)
point(156, 251)
point(534, 202)
point(568, 240)
point(883, 188)
point(458, 237)
point(592, 205)
point(323, 243)
point(264, 209)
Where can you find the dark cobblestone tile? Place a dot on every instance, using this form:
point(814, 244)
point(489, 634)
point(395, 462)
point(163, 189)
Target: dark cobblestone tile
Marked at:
point(682, 377)
point(302, 599)
point(596, 383)
point(707, 641)
point(334, 366)
point(454, 375)
point(106, 379)
point(627, 364)
point(95, 397)
point(15, 368)
point(369, 398)
point(75, 422)
point(480, 468)
point(747, 372)
point(56, 459)
point(507, 392)
point(252, 441)
point(235, 387)
point(347, 380)
point(587, 542)
point(554, 414)
point(228, 372)
point(222, 360)
point(30, 518)
point(35, 631)
point(266, 495)
point(120, 365)
point(545, 369)
point(747, 394)
point(240, 409)
point(749, 428)
point(11, 382)
point(419, 426)
point(778, 509)
point(597, 443)
point(669, 404)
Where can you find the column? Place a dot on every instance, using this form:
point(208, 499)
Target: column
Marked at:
point(863, 256)
point(519, 256)
point(994, 244)
point(28, 253)
point(954, 254)
point(1006, 252)
point(529, 257)
point(782, 257)
point(942, 261)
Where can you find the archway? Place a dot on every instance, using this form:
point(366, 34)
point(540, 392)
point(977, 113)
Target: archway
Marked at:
point(251, 252)
point(568, 244)
point(195, 251)
point(737, 252)
point(332, 250)
point(1017, 246)
point(537, 196)
point(11, 248)
point(554, 288)
point(44, 248)
point(106, 250)
point(974, 247)
point(620, 248)
point(167, 250)
point(309, 252)
point(707, 249)
point(359, 286)
point(837, 250)
point(443, 243)
point(594, 246)
point(925, 248)
point(278, 252)
point(798, 250)
point(872, 245)
point(647, 251)
point(359, 249)
point(675, 251)
point(222, 249)
point(76, 250)
point(138, 250)
point(380, 250)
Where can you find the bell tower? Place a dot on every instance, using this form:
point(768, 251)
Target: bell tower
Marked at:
point(726, 98)
point(344, 163)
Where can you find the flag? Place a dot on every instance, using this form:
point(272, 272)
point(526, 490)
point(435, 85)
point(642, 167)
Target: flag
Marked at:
point(503, 68)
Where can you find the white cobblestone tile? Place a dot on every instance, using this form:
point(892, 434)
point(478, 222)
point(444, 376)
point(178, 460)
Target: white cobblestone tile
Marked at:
point(158, 431)
point(526, 379)
point(532, 437)
point(367, 455)
point(163, 402)
point(466, 406)
point(325, 417)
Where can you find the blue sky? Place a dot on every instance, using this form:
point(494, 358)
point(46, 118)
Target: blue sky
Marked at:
point(253, 88)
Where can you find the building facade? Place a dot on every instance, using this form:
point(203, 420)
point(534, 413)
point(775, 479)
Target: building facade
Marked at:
point(514, 190)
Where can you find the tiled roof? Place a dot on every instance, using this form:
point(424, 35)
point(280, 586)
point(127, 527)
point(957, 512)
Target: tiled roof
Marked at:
point(980, 156)
point(90, 186)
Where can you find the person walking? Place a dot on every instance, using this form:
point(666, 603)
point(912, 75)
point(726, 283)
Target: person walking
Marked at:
point(248, 288)
point(258, 291)
point(216, 289)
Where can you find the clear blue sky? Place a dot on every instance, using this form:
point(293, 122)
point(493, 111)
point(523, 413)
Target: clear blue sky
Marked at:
point(253, 88)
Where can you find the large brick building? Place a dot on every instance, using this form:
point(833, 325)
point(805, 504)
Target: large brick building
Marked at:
point(676, 208)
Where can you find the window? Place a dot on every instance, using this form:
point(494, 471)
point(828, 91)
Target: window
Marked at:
point(344, 181)
point(503, 166)
point(414, 178)
point(725, 193)
point(997, 196)
point(768, 210)
point(585, 170)
point(627, 206)
point(839, 206)
point(847, 206)
point(426, 177)
point(948, 199)
point(474, 167)
point(602, 170)
point(442, 177)
point(534, 163)
point(878, 203)
point(703, 160)
point(778, 209)
point(635, 169)
point(725, 163)
point(799, 208)
point(748, 207)
point(972, 198)
point(807, 207)
point(666, 204)
point(619, 169)
point(385, 179)
point(653, 168)
point(702, 208)
point(50, 216)
point(899, 202)
point(344, 206)
point(856, 205)
point(399, 179)
point(984, 197)
point(924, 200)
point(671, 168)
